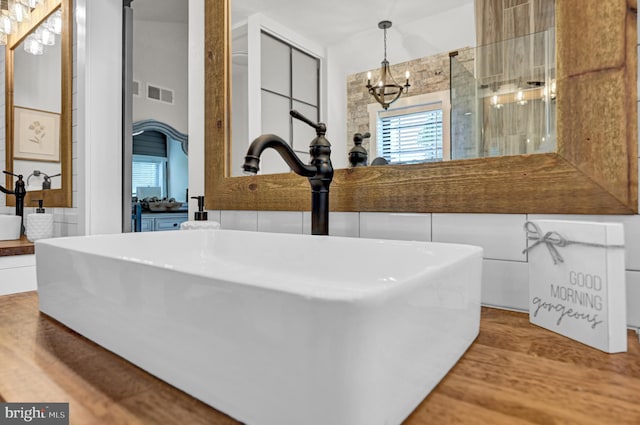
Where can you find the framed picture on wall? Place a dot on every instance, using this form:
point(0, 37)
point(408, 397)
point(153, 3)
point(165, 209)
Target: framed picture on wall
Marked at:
point(36, 135)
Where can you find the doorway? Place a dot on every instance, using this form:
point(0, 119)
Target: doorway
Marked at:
point(155, 108)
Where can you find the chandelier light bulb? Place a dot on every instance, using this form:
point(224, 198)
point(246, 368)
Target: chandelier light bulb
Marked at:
point(45, 36)
point(31, 3)
point(55, 23)
point(7, 24)
point(21, 12)
point(33, 46)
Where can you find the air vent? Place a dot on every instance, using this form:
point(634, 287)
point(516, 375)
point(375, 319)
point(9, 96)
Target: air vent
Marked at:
point(135, 88)
point(159, 94)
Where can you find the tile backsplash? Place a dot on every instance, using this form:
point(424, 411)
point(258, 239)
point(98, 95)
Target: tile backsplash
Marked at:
point(505, 278)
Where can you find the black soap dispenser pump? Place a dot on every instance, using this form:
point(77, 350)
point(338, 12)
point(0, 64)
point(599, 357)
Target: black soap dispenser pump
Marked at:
point(201, 214)
point(40, 209)
point(200, 219)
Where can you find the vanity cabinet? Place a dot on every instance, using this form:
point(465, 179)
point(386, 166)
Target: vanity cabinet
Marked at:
point(154, 222)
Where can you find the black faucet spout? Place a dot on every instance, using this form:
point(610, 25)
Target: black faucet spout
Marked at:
point(319, 171)
point(252, 159)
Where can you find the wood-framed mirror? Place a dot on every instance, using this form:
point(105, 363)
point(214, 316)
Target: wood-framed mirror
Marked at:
point(39, 106)
point(594, 171)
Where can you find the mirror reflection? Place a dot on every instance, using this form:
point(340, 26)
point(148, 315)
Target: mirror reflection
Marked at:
point(461, 101)
point(37, 99)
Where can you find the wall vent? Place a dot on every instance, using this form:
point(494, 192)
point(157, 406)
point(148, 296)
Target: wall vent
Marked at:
point(135, 88)
point(160, 94)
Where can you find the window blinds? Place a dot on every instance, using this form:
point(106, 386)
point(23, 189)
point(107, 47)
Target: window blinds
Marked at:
point(411, 137)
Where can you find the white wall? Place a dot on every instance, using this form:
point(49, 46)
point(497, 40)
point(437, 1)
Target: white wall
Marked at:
point(196, 102)
point(99, 116)
point(160, 57)
point(33, 78)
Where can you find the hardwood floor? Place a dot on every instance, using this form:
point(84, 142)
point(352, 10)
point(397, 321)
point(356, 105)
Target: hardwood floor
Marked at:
point(514, 373)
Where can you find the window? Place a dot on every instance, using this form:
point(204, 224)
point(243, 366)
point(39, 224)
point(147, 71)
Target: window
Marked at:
point(416, 129)
point(405, 138)
point(149, 167)
point(149, 174)
point(290, 79)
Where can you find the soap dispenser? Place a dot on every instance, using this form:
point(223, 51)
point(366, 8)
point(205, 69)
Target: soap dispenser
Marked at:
point(200, 219)
point(39, 224)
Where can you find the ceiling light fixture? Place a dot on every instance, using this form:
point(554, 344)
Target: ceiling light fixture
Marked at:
point(387, 90)
point(14, 12)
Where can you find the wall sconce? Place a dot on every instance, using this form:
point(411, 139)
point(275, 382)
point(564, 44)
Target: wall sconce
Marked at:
point(387, 90)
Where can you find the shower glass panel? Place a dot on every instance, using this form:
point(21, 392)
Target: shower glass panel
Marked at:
point(515, 111)
point(465, 120)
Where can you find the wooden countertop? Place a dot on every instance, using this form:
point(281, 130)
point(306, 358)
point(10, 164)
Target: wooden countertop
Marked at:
point(514, 373)
point(21, 246)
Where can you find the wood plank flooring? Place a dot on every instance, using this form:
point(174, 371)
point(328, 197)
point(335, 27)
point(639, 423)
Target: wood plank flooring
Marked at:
point(515, 373)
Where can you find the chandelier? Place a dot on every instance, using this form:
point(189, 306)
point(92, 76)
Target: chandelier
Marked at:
point(14, 12)
point(387, 90)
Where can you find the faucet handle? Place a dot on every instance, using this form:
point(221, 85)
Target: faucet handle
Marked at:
point(19, 176)
point(320, 127)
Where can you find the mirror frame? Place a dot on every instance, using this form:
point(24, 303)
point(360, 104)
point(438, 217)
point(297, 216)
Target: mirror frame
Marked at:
point(594, 171)
point(53, 197)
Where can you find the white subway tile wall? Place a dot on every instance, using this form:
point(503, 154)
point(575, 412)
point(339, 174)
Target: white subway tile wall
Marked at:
point(239, 220)
point(505, 284)
point(211, 216)
point(280, 222)
point(500, 235)
point(398, 226)
point(505, 276)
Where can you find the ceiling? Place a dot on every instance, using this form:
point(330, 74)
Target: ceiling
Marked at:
point(325, 21)
point(329, 21)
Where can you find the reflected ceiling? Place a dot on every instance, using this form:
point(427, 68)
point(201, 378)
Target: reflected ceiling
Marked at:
point(320, 21)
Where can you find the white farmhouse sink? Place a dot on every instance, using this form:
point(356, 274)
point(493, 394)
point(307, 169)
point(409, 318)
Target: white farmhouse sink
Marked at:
point(273, 329)
point(9, 227)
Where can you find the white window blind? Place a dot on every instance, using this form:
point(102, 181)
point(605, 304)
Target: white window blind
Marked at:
point(410, 137)
point(148, 172)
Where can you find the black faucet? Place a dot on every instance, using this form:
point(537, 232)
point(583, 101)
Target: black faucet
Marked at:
point(358, 154)
point(319, 171)
point(19, 192)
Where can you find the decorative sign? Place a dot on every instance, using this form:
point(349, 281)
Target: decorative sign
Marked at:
point(577, 281)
